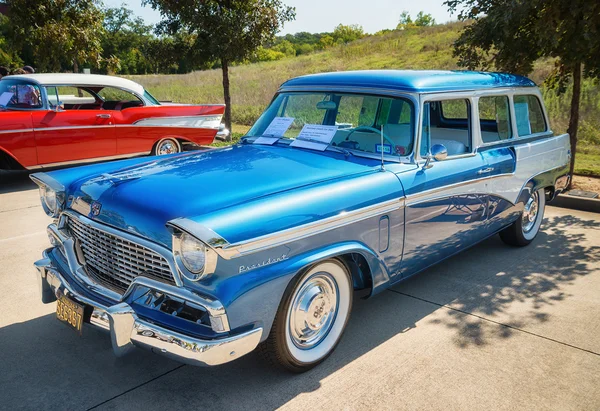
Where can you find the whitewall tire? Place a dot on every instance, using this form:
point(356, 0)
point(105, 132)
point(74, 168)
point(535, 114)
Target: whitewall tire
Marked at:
point(527, 226)
point(311, 318)
point(167, 146)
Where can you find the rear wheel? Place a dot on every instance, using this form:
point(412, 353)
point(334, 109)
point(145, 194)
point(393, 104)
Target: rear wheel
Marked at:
point(311, 317)
point(167, 146)
point(526, 228)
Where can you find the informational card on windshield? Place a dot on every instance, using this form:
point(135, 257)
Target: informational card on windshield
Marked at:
point(275, 131)
point(315, 137)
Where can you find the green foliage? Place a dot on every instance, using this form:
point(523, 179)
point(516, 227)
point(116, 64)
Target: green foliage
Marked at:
point(228, 31)
point(58, 31)
point(286, 48)
point(422, 20)
point(346, 34)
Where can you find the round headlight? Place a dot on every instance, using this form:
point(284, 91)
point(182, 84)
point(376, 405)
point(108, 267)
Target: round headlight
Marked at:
point(49, 200)
point(192, 253)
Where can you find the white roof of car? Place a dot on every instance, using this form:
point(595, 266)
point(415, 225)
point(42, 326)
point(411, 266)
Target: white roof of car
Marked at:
point(75, 79)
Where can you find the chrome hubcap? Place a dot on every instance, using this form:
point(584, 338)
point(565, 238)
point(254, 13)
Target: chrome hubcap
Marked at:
point(313, 310)
point(530, 212)
point(167, 147)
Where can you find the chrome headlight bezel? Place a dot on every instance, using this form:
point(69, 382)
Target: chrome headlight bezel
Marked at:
point(184, 264)
point(52, 201)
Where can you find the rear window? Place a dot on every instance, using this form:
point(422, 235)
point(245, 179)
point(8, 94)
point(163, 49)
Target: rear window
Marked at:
point(529, 115)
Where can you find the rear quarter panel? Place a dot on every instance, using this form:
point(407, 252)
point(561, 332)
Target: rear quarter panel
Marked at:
point(138, 128)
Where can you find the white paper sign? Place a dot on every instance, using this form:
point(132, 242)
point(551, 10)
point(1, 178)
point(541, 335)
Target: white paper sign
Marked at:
point(276, 129)
point(5, 98)
point(278, 126)
point(315, 137)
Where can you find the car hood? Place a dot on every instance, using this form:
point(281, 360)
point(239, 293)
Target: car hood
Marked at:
point(144, 197)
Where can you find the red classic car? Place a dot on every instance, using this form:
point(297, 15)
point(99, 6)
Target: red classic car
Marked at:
point(54, 119)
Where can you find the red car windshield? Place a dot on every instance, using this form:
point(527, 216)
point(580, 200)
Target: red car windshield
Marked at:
point(19, 95)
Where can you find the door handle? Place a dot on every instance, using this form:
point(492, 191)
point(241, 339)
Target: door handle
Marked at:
point(485, 170)
point(103, 115)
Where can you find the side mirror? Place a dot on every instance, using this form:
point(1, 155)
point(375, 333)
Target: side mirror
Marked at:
point(438, 152)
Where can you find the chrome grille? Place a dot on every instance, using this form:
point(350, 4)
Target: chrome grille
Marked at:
point(115, 261)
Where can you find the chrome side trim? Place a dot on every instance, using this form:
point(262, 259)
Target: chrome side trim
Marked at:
point(25, 130)
point(413, 199)
point(88, 160)
point(242, 248)
point(71, 127)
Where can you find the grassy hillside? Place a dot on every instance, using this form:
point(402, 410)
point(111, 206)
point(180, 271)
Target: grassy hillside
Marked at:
point(253, 85)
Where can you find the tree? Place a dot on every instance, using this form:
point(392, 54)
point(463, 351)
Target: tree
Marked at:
point(57, 31)
point(229, 31)
point(424, 20)
point(512, 35)
point(346, 34)
point(405, 21)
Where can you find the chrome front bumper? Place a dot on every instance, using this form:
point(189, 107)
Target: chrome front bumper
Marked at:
point(128, 330)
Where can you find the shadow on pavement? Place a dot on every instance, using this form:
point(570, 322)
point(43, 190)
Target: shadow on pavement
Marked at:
point(11, 181)
point(46, 363)
point(498, 277)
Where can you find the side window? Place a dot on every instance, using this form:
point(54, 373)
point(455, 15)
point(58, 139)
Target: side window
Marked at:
point(72, 98)
point(529, 115)
point(494, 118)
point(447, 122)
point(117, 99)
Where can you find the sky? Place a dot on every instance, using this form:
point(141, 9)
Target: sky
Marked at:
point(317, 16)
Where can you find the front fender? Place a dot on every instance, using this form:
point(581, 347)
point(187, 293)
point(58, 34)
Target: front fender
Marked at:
point(254, 296)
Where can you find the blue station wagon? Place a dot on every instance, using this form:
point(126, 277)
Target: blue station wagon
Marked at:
point(348, 181)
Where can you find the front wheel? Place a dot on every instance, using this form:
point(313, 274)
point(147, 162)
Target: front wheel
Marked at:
point(311, 317)
point(526, 228)
point(167, 146)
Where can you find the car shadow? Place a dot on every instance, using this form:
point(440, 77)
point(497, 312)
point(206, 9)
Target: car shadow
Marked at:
point(13, 181)
point(45, 361)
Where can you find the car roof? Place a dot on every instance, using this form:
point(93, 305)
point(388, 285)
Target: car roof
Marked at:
point(91, 80)
point(419, 81)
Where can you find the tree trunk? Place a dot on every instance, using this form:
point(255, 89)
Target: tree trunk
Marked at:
point(75, 66)
point(574, 119)
point(226, 96)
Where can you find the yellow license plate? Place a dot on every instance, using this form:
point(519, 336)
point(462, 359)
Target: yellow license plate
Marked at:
point(70, 312)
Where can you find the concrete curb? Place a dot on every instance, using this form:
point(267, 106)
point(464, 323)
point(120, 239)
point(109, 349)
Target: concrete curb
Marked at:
point(576, 203)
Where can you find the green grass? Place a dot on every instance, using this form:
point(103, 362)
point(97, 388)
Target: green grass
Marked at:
point(587, 161)
point(253, 85)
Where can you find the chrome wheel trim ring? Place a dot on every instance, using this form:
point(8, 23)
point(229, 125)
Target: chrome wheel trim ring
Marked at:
point(167, 147)
point(321, 343)
point(313, 310)
point(530, 212)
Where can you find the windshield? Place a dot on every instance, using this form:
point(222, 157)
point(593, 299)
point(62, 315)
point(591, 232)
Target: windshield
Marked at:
point(355, 120)
point(19, 95)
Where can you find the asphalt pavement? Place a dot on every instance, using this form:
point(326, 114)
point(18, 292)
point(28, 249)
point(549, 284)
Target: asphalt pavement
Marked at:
point(494, 327)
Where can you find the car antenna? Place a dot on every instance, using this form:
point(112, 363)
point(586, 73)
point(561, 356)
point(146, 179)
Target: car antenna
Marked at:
point(382, 165)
